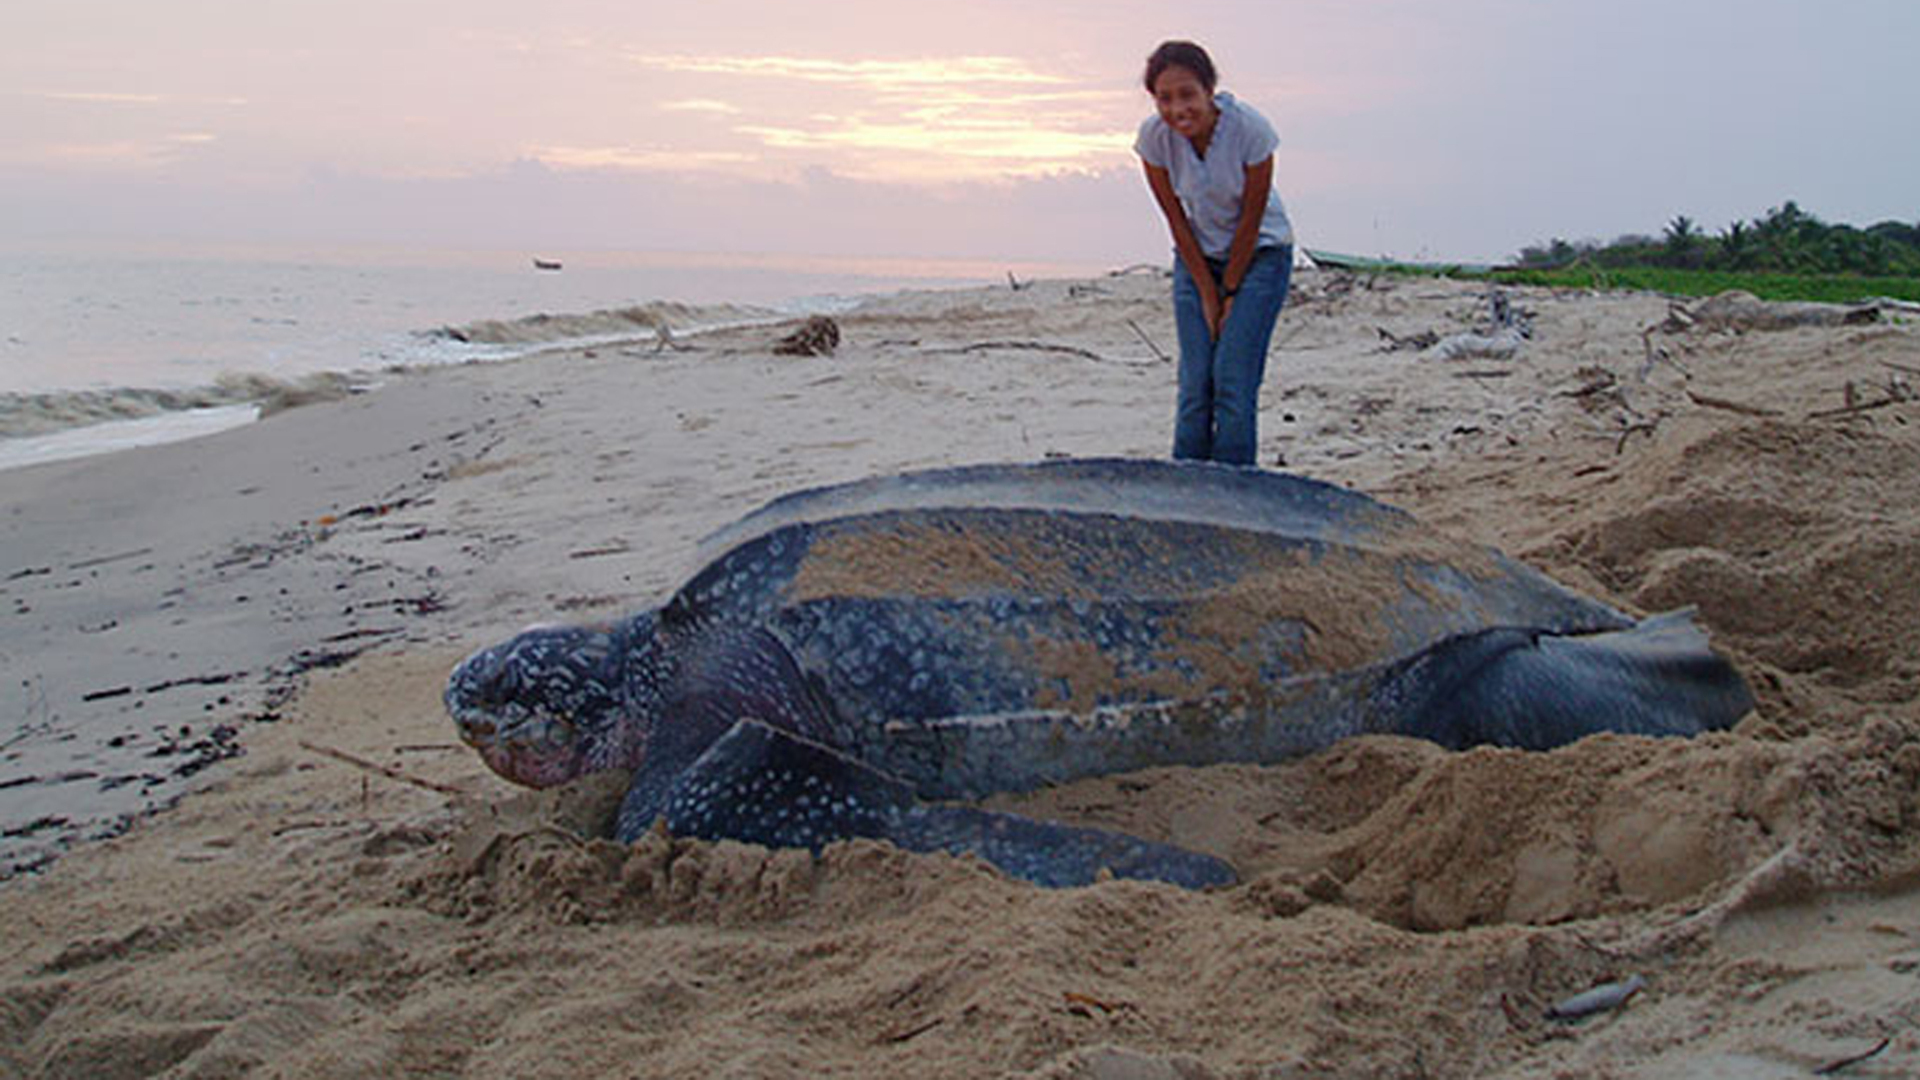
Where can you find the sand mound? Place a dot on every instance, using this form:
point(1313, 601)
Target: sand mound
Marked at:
point(1792, 539)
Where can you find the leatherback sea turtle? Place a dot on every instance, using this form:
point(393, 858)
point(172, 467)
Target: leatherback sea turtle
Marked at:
point(855, 659)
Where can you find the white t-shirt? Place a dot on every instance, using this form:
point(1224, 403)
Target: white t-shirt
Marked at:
point(1209, 188)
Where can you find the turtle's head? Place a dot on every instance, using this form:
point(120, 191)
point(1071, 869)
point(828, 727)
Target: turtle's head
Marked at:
point(550, 704)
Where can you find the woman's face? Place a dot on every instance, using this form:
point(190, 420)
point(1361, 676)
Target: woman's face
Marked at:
point(1184, 102)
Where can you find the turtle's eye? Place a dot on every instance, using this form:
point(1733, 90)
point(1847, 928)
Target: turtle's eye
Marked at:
point(500, 684)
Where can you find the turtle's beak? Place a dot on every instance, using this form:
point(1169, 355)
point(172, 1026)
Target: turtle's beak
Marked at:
point(525, 705)
point(536, 763)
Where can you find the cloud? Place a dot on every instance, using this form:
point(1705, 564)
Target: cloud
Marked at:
point(703, 105)
point(948, 147)
point(641, 159)
point(107, 97)
point(920, 120)
point(1104, 219)
point(881, 75)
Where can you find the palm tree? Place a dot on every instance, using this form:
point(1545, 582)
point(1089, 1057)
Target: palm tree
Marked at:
point(1683, 241)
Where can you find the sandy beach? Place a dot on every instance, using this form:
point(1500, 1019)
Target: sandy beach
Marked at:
point(235, 621)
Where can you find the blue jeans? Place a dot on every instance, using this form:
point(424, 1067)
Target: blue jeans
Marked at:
point(1217, 415)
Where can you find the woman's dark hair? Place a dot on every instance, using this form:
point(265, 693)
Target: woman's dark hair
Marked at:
point(1181, 54)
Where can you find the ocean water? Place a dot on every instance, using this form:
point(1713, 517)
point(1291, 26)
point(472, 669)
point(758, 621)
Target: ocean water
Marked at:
point(107, 347)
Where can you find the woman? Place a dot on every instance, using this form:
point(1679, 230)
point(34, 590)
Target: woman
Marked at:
point(1209, 161)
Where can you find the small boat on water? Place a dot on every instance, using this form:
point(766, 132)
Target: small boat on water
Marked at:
point(546, 264)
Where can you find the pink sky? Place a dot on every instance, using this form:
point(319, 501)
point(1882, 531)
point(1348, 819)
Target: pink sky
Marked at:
point(989, 128)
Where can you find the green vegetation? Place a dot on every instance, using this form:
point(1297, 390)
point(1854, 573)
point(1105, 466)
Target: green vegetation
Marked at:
point(1788, 254)
point(1828, 288)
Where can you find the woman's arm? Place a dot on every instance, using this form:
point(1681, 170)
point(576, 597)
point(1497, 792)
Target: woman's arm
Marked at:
point(1246, 235)
point(1186, 244)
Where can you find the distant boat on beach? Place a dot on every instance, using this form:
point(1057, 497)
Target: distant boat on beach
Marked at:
point(1333, 260)
point(546, 264)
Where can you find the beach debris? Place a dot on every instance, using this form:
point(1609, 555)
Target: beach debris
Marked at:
point(1142, 334)
point(1710, 402)
point(1833, 1067)
point(663, 340)
point(1500, 345)
point(1086, 1004)
point(1737, 311)
point(220, 679)
point(40, 824)
point(1655, 355)
point(914, 1031)
point(1425, 339)
point(1897, 392)
point(1030, 346)
point(1499, 337)
point(217, 744)
point(103, 560)
point(1888, 303)
point(381, 770)
point(618, 547)
point(818, 336)
point(1630, 428)
point(1602, 998)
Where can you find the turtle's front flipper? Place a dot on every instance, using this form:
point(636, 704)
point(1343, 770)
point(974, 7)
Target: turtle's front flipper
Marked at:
point(760, 785)
point(1056, 856)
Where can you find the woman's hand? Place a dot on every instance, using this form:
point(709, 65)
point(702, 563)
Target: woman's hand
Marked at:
point(1217, 308)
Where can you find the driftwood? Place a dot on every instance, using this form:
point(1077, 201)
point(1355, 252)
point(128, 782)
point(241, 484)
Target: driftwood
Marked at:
point(1657, 355)
point(1710, 402)
point(1142, 334)
point(818, 336)
point(1892, 304)
point(1030, 346)
point(1425, 339)
point(375, 767)
point(105, 559)
point(1645, 427)
point(1736, 310)
point(1856, 408)
point(1832, 1067)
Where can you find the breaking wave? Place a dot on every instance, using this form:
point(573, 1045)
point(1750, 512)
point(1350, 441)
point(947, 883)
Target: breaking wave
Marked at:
point(642, 320)
point(23, 415)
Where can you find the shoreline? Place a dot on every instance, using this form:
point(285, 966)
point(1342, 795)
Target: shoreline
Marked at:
point(307, 580)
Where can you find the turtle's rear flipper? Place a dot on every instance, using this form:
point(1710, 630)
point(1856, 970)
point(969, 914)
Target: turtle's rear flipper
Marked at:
point(761, 785)
point(1536, 691)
